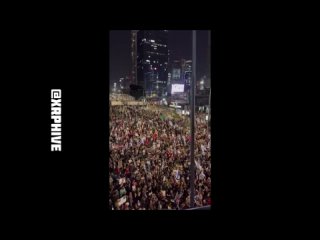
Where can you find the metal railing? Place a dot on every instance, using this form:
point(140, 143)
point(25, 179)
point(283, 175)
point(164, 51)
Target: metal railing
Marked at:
point(200, 208)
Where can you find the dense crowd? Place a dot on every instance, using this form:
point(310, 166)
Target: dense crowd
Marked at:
point(121, 97)
point(149, 161)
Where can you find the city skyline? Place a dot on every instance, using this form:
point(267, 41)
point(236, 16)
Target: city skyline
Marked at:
point(179, 44)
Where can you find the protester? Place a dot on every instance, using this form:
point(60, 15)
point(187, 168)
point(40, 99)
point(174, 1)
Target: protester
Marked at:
point(150, 160)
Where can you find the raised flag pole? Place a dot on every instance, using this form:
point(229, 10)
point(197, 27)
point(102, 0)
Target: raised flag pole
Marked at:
point(193, 84)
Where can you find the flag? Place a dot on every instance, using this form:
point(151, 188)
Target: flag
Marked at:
point(177, 175)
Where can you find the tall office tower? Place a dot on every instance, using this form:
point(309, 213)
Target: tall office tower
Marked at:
point(181, 72)
point(187, 73)
point(134, 56)
point(152, 61)
point(176, 71)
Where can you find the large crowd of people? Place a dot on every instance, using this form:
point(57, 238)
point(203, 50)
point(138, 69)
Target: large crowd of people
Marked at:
point(149, 164)
point(121, 97)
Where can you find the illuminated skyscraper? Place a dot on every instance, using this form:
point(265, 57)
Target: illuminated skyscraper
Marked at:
point(134, 56)
point(187, 72)
point(181, 72)
point(150, 56)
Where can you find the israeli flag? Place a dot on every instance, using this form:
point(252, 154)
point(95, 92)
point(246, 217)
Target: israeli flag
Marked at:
point(177, 175)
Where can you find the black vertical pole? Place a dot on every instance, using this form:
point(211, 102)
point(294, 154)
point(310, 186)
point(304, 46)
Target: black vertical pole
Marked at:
point(209, 112)
point(193, 84)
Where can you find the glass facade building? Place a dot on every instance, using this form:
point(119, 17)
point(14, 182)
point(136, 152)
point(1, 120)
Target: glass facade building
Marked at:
point(182, 72)
point(151, 56)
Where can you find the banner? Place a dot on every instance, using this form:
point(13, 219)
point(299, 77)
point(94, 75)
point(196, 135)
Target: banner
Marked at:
point(121, 201)
point(122, 181)
point(198, 165)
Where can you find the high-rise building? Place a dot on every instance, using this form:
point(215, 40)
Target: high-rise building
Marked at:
point(150, 60)
point(169, 78)
point(121, 83)
point(134, 56)
point(176, 71)
point(187, 73)
point(181, 72)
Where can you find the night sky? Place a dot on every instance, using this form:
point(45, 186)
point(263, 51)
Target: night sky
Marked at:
point(180, 46)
